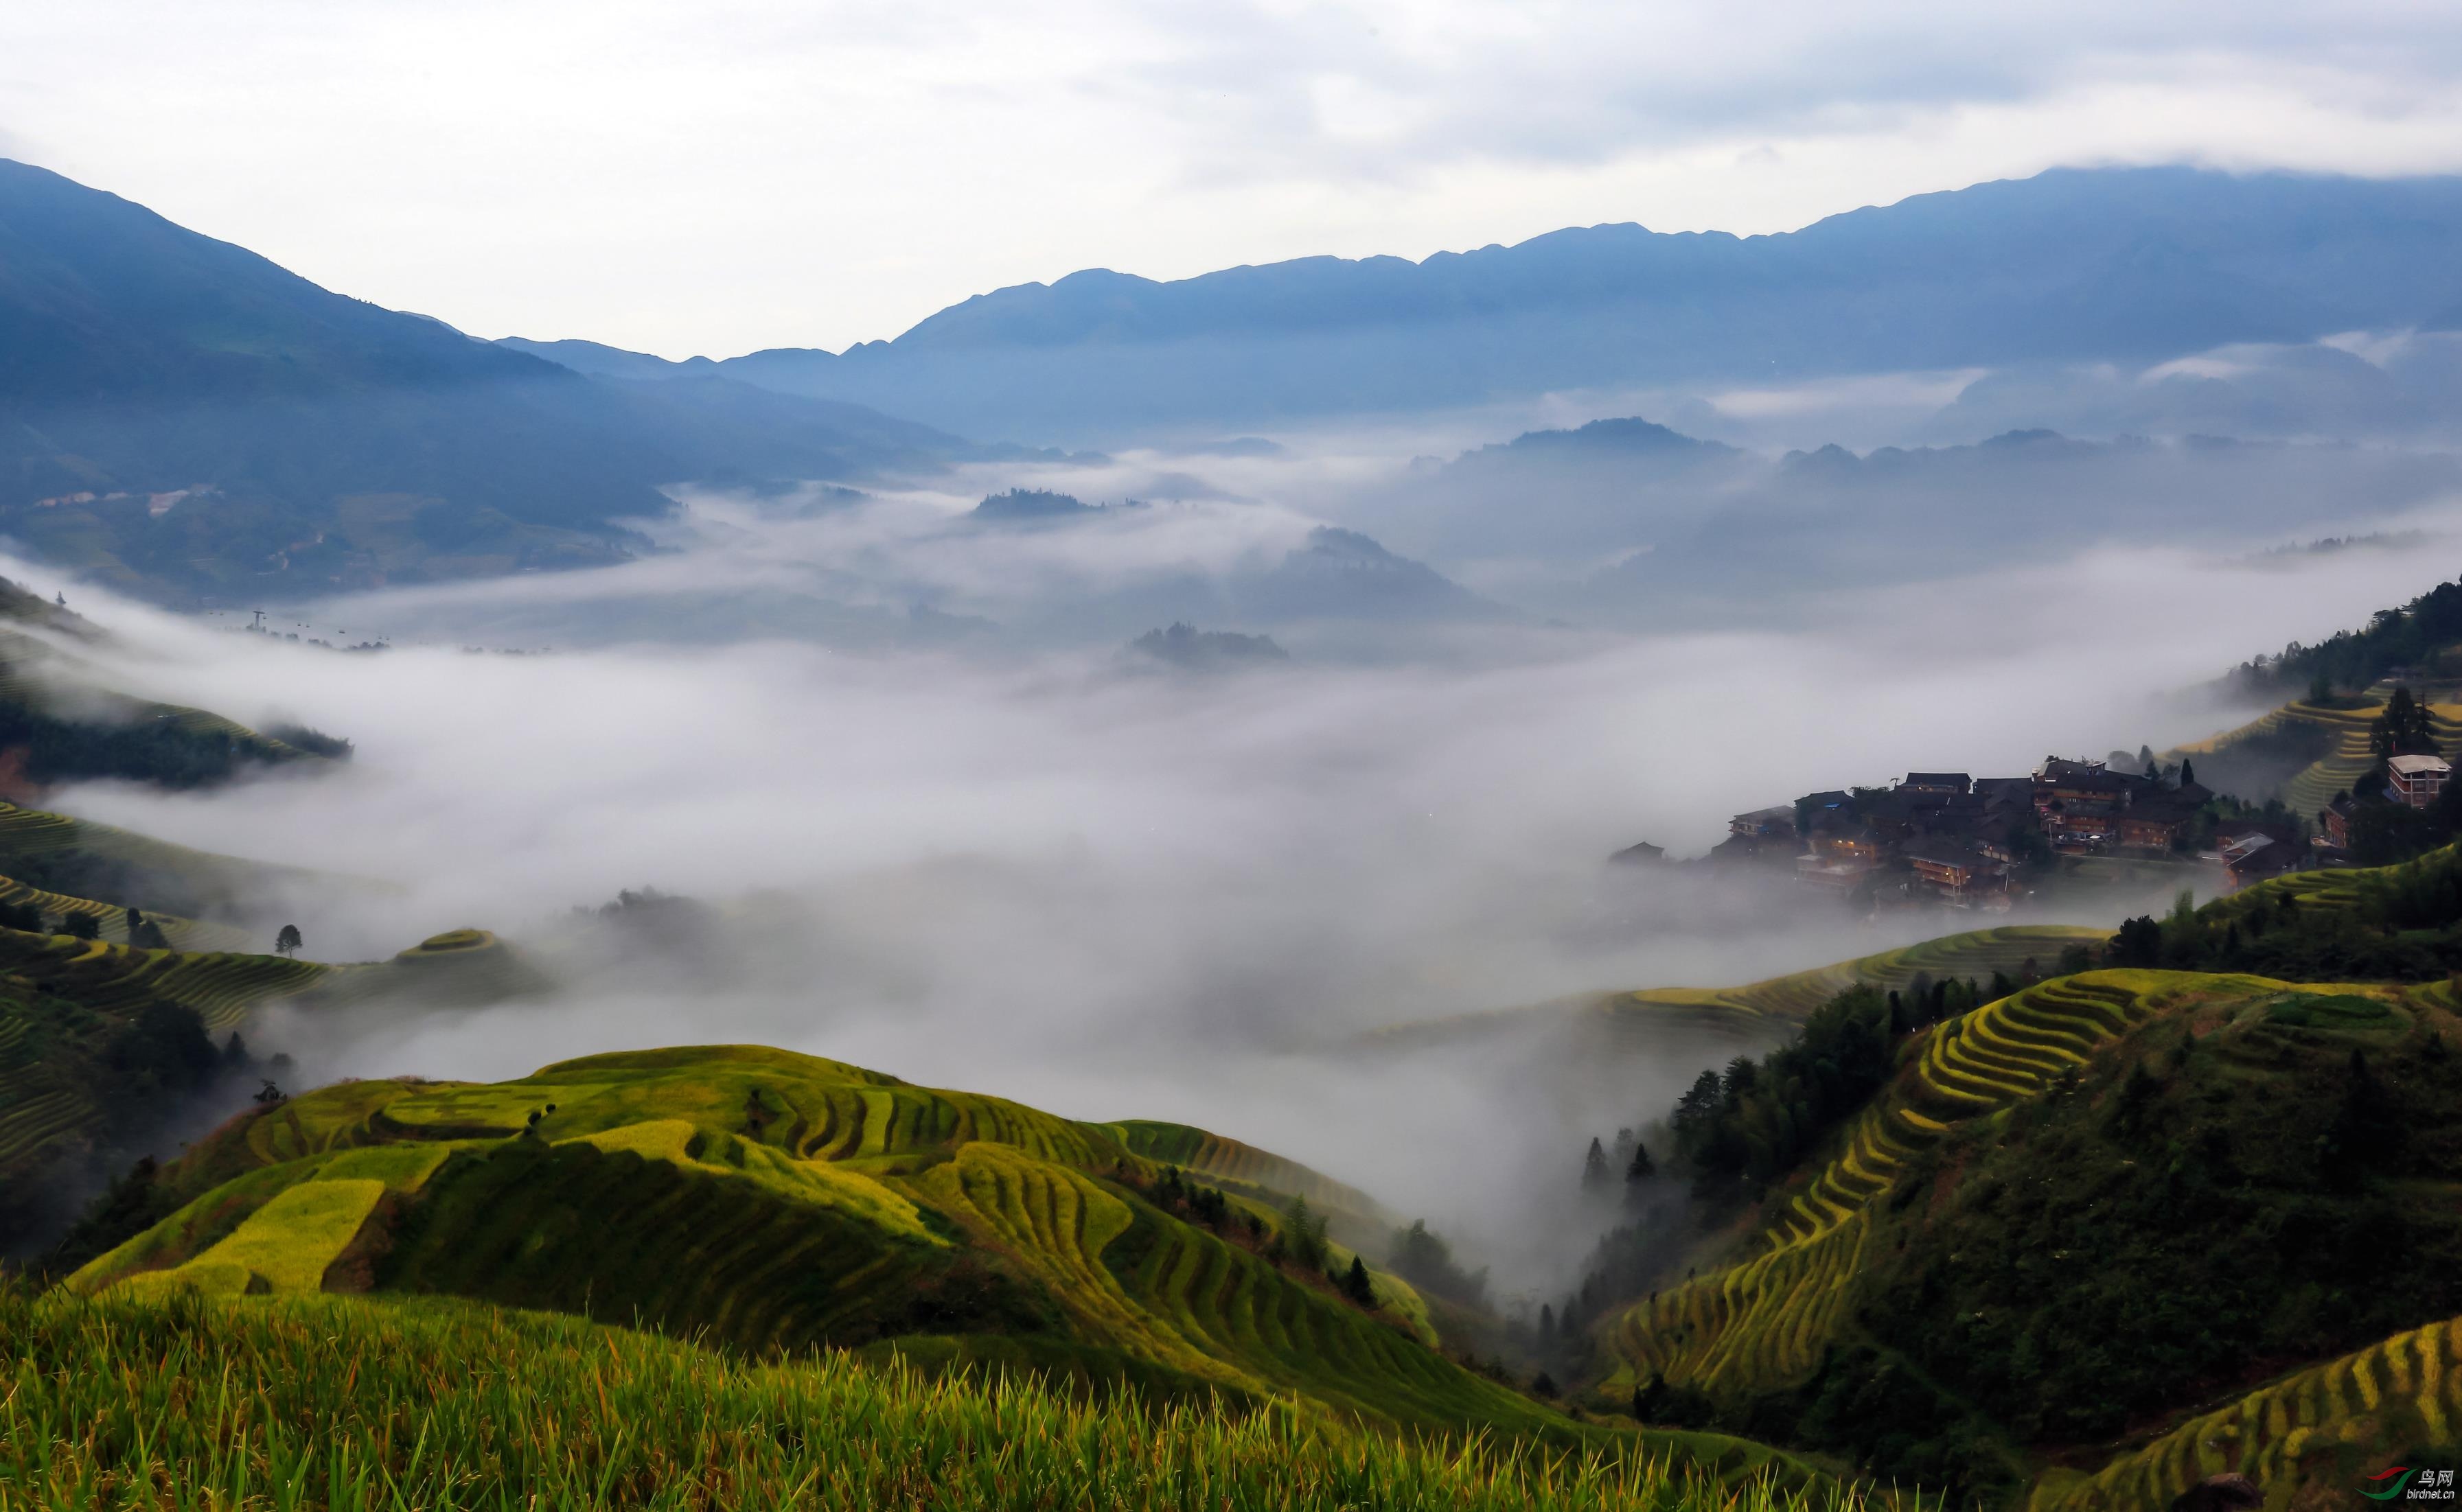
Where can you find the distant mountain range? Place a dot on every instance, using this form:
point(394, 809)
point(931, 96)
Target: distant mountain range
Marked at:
point(183, 418)
point(2124, 264)
point(1628, 522)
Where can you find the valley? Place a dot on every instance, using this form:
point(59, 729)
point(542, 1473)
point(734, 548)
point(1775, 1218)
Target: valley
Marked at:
point(1331, 758)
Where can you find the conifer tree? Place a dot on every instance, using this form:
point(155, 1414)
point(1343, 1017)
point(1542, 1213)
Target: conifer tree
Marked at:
point(1355, 1287)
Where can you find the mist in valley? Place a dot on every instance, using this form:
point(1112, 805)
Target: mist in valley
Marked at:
point(934, 819)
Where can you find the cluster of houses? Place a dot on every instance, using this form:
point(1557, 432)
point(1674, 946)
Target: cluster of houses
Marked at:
point(1974, 843)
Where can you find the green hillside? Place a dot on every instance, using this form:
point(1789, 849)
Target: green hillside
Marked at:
point(83, 858)
point(102, 1043)
point(774, 1201)
point(2082, 1215)
point(65, 721)
point(353, 1404)
point(1979, 953)
point(1764, 1012)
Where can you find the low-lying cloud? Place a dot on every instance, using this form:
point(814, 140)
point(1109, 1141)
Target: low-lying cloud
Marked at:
point(1153, 896)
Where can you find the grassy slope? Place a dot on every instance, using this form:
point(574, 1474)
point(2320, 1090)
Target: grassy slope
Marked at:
point(354, 1403)
point(155, 875)
point(1833, 1249)
point(772, 1200)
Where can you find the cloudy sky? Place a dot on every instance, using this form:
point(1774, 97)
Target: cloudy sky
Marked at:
point(736, 174)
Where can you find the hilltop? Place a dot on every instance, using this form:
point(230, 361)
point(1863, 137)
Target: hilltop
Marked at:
point(189, 422)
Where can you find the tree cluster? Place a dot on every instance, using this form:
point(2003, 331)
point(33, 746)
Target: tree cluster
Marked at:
point(158, 751)
point(2405, 924)
point(1740, 1130)
point(2411, 636)
point(1421, 1257)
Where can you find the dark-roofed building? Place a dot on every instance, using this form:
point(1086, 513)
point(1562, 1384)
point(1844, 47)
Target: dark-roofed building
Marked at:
point(2334, 822)
point(2253, 857)
point(2156, 823)
point(2014, 792)
point(1957, 782)
point(1836, 837)
point(1762, 823)
point(1639, 855)
point(1957, 871)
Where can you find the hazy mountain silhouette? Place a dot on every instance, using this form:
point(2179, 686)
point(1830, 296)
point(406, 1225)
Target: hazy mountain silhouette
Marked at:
point(184, 418)
point(2129, 264)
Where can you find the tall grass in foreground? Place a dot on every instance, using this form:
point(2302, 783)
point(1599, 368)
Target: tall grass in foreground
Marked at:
point(333, 1402)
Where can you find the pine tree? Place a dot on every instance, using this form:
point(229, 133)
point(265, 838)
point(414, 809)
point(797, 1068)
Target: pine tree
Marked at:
point(1594, 1168)
point(1355, 1287)
point(1642, 1168)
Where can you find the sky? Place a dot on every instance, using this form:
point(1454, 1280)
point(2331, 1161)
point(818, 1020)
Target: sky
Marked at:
point(723, 176)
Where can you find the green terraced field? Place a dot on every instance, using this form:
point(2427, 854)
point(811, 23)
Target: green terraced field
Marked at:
point(1763, 1012)
point(155, 873)
point(2326, 891)
point(1243, 1168)
point(61, 999)
point(2349, 759)
point(1765, 1322)
point(2371, 1408)
point(1977, 954)
point(1762, 1323)
point(221, 985)
point(769, 1201)
point(110, 918)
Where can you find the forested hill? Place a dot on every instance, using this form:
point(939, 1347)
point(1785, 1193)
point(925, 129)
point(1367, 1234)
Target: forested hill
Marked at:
point(2409, 641)
point(186, 419)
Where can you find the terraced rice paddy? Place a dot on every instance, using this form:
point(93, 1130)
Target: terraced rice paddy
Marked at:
point(2367, 1408)
point(210, 882)
point(66, 995)
point(1977, 954)
point(1243, 1166)
point(221, 985)
point(1760, 1014)
point(110, 918)
point(1763, 1323)
point(772, 1200)
point(2349, 758)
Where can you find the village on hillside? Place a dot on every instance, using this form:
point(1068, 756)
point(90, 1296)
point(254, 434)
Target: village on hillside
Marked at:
point(1990, 844)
